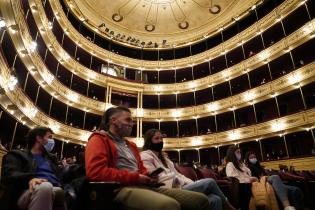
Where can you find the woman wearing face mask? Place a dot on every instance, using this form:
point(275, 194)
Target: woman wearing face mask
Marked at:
point(236, 168)
point(153, 158)
point(282, 191)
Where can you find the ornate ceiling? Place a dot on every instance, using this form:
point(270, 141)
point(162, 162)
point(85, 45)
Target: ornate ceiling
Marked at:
point(165, 22)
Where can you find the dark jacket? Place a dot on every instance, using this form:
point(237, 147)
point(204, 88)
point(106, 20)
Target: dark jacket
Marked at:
point(256, 169)
point(18, 168)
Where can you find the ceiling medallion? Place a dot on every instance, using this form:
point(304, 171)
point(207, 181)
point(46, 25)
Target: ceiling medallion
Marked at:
point(215, 9)
point(149, 27)
point(117, 17)
point(183, 25)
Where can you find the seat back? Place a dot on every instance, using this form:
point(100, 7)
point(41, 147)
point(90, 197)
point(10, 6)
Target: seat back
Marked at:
point(207, 173)
point(189, 172)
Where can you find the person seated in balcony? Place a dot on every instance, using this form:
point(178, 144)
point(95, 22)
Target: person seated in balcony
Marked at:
point(110, 157)
point(282, 191)
point(31, 176)
point(153, 158)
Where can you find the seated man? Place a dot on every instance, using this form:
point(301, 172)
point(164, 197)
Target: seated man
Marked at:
point(31, 176)
point(110, 157)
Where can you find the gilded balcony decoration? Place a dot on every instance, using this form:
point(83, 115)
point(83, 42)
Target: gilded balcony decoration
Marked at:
point(162, 24)
point(272, 52)
point(261, 25)
point(74, 99)
point(19, 105)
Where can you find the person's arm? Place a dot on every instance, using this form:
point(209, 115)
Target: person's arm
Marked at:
point(185, 180)
point(148, 161)
point(98, 167)
point(12, 173)
point(142, 168)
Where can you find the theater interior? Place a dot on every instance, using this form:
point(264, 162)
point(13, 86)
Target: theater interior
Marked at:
point(207, 73)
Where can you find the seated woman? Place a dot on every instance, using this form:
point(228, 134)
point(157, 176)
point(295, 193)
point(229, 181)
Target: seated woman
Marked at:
point(282, 191)
point(236, 168)
point(153, 158)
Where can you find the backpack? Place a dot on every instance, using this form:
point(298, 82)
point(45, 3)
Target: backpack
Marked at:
point(263, 196)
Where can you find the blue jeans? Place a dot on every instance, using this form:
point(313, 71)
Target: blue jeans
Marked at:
point(210, 188)
point(284, 192)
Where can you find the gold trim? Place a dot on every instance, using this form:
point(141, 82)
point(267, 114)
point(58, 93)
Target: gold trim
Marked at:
point(18, 103)
point(87, 104)
point(235, 9)
point(283, 9)
point(276, 50)
point(299, 164)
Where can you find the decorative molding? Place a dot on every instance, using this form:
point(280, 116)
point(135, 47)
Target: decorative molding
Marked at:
point(298, 37)
point(299, 164)
point(269, 20)
point(18, 104)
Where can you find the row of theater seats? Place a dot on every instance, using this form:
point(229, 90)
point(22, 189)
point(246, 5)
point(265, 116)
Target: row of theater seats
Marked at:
point(99, 195)
point(305, 180)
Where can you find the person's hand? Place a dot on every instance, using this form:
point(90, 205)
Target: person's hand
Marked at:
point(33, 182)
point(145, 180)
point(253, 179)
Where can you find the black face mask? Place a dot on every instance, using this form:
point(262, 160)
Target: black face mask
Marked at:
point(157, 146)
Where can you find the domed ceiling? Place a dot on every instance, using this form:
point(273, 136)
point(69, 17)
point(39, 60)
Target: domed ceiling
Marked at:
point(168, 23)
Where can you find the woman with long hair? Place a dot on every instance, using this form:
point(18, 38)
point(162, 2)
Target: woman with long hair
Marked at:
point(282, 191)
point(236, 168)
point(153, 157)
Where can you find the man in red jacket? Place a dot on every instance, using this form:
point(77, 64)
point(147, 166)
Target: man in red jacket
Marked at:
point(110, 157)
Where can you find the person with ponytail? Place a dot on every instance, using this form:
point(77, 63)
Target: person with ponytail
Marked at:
point(153, 158)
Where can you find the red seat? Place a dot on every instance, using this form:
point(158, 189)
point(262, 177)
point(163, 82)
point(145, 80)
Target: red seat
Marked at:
point(189, 172)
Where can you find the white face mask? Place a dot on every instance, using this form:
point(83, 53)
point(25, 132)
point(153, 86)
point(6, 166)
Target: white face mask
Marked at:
point(50, 145)
point(238, 156)
point(253, 160)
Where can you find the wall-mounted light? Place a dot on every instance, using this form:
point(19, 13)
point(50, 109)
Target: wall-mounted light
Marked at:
point(85, 136)
point(73, 97)
point(278, 125)
point(212, 107)
point(32, 46)
point(294, 78)
point(50, 25)
point(139, 112)
point(11, 83)
point(249, 95)
point(264, 55)
point(234, 135)
point(2, 22)
point(30, 112)
point(139, 142)
point(48, 78)
point(177, 113)
point(196, 141)
point(55, 128)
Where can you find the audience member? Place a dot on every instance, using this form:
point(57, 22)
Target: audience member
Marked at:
point(236, 168)
point(31, 177)
point(109, 156)
point(153, 158)
point(282, 191)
